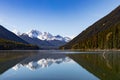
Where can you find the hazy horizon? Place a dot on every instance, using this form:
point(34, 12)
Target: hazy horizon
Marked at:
point(64, 17)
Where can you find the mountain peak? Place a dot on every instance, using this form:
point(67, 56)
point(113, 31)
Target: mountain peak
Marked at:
point(46, 36)
point(34, 33)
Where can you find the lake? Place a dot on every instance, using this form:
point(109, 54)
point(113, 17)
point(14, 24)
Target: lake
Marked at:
point(59, 65)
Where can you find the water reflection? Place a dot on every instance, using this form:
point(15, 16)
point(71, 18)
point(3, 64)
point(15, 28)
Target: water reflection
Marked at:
point(53, 65)
point(105, 65)
point(45, 65)
point(42, 61)
point(10, 58)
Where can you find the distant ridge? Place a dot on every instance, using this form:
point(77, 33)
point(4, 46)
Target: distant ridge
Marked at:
point(104, 34)
point(43, 35)
point(44, 40)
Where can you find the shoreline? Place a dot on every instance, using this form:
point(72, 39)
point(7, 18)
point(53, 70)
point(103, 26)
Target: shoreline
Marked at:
point(92, 49)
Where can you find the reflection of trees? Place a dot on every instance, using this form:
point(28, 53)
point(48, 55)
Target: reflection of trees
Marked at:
point(9, 58)
point(105, 65)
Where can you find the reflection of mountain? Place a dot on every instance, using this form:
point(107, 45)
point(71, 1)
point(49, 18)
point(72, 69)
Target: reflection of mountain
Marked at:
point(105, 66)
point(10, 58)
point(41, 61)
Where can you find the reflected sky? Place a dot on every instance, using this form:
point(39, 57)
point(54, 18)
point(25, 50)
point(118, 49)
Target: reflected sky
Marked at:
point(59, 65)
point(47, 67)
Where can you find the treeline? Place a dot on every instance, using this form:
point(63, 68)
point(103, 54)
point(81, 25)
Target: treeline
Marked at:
point(108, 39)
point(104, 34)
point(12, 45)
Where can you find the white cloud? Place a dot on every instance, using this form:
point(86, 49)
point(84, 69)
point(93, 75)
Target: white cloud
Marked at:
point(16, 32)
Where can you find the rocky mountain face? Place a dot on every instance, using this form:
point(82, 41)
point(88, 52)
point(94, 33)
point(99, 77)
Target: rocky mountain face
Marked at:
point(44, 40)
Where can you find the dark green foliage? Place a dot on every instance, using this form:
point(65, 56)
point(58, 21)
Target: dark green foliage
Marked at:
point(104, 34)
point(8, 59)
point(104, 65)
point(12, 45)
point(8, 35)
point(10, 41)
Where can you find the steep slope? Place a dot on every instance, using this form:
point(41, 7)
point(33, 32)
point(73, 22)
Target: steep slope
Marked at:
point(10, 41)
point(6, 34)
point(104, 34)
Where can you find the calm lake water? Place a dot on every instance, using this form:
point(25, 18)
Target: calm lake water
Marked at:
point(59, 65)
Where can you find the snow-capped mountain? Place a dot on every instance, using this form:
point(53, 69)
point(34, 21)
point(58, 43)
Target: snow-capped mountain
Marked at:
point(44, 40)
point(46, 36)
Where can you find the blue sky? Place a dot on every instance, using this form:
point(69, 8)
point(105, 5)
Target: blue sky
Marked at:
point(64, 17)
